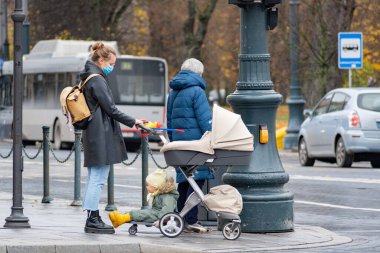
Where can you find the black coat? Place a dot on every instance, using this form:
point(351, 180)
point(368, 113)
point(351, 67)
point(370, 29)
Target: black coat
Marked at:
point(102, 140)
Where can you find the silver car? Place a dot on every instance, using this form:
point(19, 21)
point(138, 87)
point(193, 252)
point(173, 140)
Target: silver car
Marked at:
point(344, 127)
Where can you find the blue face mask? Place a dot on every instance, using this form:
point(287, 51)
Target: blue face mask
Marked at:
point(107, 70)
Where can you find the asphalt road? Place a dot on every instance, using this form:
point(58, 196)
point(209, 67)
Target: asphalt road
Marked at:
point(345, 201)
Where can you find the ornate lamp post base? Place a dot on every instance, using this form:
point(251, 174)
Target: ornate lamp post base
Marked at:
point(17, 219)
point(267, 206)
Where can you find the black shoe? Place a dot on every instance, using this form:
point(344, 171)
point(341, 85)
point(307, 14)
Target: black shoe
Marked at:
point(95, 224)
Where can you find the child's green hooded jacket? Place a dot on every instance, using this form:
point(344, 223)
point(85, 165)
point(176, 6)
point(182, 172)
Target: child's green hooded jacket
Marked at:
point(164, 202)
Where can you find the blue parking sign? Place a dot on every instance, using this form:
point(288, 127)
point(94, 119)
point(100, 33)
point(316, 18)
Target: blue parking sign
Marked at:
point(350, 50)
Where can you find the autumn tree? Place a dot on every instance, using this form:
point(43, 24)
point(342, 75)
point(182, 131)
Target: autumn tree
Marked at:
point(166, 33)
point(195, 27)
point(75, 19)
point(221, 49)
point(322, 20)
point(105, 16)
point(366, 19)
point(209, 30)
point(134, 29)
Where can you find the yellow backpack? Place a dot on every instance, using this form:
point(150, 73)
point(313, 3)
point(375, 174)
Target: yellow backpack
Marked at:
point(74, 105)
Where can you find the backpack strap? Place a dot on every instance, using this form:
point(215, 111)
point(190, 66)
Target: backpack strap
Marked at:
point(81, 86)
point(83, 83)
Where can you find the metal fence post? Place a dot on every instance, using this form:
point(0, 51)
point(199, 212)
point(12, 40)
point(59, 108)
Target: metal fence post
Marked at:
point(17, 218)
point(144, 171)
point(47, 198)
point(77, 174)
point(110, 194)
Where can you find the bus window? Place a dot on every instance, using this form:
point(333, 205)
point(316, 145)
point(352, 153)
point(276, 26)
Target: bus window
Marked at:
point(61, 84)
point(156, 92)
point(139, 82)
point(38, 91)
point(126, 92)
point(7, 95)
point(28, 91)
point(44, 91)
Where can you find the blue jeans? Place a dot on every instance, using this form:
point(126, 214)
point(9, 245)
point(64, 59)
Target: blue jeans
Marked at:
point(96, 179)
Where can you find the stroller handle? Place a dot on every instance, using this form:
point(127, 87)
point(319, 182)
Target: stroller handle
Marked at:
point(144, 128)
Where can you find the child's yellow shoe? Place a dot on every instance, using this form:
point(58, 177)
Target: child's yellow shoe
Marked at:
point(118, 219)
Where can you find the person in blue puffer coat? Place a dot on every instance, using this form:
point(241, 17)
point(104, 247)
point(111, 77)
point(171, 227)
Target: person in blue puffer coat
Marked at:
point(188, 109)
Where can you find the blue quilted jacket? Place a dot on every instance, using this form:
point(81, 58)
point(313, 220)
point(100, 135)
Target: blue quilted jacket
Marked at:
point(188, 109)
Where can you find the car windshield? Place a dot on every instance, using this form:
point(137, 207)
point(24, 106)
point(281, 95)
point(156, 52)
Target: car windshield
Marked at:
point(369, 101)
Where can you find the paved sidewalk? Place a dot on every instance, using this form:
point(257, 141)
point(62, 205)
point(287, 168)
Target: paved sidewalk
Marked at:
point(58, 227)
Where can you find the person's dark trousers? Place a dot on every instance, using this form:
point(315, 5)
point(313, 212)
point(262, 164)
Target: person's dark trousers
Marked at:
point(185, 190)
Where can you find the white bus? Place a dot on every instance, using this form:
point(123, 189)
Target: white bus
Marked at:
point(138, 84)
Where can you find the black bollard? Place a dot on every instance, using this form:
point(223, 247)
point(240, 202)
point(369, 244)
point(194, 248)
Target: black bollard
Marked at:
point(47, 198)
point(110, 194)
point(77, 174)
point(144, 171)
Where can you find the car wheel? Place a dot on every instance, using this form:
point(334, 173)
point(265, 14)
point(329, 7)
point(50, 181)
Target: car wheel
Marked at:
point(343, 159)
point(375, 163)
point(303, 155)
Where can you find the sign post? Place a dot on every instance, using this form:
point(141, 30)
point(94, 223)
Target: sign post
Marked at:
point(350, 52)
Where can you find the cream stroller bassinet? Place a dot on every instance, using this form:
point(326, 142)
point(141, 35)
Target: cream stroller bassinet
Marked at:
point(229, 143)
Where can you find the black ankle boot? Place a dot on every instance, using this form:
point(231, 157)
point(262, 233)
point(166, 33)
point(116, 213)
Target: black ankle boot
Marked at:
point(95, 224)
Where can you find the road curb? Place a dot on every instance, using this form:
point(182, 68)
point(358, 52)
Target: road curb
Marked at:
point(100, 248)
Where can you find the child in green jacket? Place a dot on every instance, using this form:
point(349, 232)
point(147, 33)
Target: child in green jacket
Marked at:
point(162, 193)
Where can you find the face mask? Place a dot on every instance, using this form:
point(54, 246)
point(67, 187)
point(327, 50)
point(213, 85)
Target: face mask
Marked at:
point(107, 70)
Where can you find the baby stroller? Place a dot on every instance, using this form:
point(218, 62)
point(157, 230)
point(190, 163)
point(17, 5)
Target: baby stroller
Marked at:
point(230, 143)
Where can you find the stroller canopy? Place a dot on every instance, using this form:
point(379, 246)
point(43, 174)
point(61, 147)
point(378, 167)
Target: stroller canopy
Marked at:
point(228, 132)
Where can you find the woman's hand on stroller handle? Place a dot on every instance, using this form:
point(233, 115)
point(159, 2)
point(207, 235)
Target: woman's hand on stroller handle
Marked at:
point(140, 122)
point(144, 128)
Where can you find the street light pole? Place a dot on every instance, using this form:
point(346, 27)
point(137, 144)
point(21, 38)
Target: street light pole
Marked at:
point(25, 28)
point(267, 207)
point(17, 218)
point(295, 101)
point(6, 41)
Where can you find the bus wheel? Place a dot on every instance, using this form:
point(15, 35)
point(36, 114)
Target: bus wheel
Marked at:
point(57, 136)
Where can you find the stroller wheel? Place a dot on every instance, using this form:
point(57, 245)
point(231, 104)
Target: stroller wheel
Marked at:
point(171, 225)
point(229, 233)
point(133, 229)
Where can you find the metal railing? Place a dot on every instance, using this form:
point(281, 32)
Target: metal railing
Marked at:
point(46, 147)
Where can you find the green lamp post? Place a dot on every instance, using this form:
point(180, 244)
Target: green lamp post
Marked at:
point(267, 206)
point(295, 101)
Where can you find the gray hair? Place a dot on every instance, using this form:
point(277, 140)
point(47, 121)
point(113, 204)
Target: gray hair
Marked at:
point(194, 65)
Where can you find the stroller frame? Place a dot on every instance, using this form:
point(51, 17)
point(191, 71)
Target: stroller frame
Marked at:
point(229, 223)
point(172, 224)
